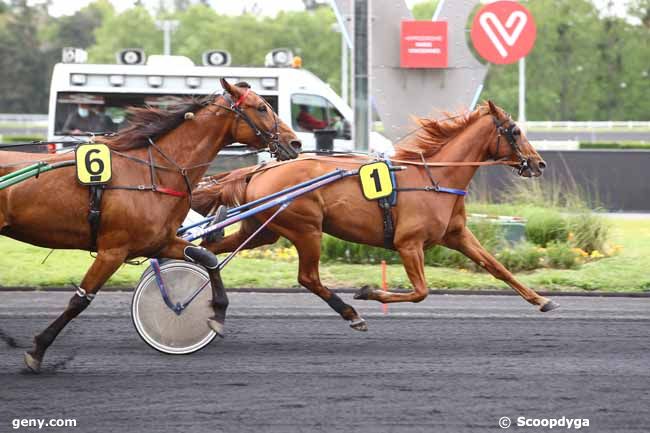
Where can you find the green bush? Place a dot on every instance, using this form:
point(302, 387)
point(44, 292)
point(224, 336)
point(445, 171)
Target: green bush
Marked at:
point(588, 231)
point(333, 249)
point(21, 138)
point(616, 145)
point(546, 226)
point(560, 255)
point(522, 257)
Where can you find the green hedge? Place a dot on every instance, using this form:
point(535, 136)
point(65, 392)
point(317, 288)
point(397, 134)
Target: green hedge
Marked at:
point(553, 240)
point(21, 138)
point(616, 145)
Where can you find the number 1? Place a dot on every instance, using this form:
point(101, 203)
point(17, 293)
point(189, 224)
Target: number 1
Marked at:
point(375, 176)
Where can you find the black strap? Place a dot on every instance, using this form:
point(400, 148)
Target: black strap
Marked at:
point(427, 169)
point(389, 226)
point(94, 214)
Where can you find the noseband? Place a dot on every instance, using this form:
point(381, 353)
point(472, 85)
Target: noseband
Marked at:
point(270, 139)
point(510, 132)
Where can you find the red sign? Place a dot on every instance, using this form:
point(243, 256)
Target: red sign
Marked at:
point(503, 32)
point(423, 44)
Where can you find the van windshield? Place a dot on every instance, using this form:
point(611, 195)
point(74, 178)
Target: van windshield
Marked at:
point(97, 113)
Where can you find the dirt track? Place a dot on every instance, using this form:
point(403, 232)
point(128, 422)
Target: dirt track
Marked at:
point(450, 364)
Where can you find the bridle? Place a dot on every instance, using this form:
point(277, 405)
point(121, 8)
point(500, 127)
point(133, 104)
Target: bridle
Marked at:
point(270, 138)
point(510, 132)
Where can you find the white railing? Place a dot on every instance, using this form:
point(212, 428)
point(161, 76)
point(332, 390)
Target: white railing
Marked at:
point(27, 119)
point(610, 124)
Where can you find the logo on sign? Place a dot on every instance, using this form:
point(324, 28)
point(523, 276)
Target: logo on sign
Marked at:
point(423, 44)
point(503, 32)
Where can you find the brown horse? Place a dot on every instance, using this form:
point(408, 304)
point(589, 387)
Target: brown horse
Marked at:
point(156, 163)
point(453, 149)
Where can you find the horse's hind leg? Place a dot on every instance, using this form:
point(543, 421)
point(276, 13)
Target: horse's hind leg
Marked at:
point(182, 250)
point(308, 246)
point(465, 242)
point(247, 228)
point(106, 263)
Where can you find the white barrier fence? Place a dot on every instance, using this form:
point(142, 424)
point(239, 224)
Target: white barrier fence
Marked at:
point(589, 125)
point(23, 118)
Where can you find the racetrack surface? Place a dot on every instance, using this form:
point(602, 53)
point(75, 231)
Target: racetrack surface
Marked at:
point(288, 364)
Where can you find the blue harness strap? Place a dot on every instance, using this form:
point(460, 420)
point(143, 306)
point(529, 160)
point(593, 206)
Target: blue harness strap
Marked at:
point(392, 198)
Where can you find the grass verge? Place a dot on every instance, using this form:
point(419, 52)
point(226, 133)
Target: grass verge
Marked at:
point(20, 265)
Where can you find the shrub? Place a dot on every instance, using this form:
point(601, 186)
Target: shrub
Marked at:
point(522, 257)
point(588, 231)
point(561, 255)
point(441, 256)
point(22, 138)
point(545, 226)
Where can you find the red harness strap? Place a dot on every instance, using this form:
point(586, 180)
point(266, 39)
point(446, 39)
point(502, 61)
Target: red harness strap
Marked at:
point(170, 191)
point(241, 98)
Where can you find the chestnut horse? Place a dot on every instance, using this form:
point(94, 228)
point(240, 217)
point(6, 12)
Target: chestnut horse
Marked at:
point(157, 160)
point(452, 148)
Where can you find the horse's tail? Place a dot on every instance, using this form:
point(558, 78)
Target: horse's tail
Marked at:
point(227, 189)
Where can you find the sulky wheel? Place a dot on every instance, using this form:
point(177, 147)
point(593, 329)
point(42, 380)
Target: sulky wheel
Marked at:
point(178, 326)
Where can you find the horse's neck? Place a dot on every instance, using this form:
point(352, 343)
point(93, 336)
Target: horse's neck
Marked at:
point(196, 142)
point(471, 145)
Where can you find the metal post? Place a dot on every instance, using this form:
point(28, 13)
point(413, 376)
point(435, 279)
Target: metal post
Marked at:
point(522, 92)
point(167, 26)
point(344, 69)
point(361, 67)
point(167, 50)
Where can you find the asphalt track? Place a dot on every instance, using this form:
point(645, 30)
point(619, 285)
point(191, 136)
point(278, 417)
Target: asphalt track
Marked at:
point(450, 364)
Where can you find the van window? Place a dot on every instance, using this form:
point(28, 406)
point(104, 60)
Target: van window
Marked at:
point(310, 112)
point(82, 113)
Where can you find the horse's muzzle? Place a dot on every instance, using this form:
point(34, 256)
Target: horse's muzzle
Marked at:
point(532, 167)
point(288, 151)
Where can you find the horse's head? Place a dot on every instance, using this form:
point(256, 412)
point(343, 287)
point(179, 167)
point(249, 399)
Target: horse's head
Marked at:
point(511, 144)
point(257, 124)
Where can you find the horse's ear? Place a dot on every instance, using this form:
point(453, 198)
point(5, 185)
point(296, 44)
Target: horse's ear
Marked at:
point(228, 87)
point(492, 107)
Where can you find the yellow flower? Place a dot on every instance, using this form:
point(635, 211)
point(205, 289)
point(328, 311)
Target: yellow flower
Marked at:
point(580, 252)
point(571, 236)
point(595, 254)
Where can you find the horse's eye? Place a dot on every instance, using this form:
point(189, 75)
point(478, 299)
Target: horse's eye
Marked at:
point(516, 131)
point(261, 108)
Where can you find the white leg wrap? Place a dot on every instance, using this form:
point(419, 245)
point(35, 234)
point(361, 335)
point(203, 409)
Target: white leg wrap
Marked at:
point(83, 294)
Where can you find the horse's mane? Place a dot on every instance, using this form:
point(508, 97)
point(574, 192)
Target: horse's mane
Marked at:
point(151, 123)
point(432, 135)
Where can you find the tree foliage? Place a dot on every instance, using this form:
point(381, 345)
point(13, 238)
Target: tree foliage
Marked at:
point(586, 65)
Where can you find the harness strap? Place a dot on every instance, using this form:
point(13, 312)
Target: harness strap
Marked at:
point(154, 188)
point(439, 188)
point(389, 225)
point(241, 99)
point(95, 213)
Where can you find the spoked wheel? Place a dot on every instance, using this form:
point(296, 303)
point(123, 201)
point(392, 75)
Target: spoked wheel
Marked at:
point(175, 331)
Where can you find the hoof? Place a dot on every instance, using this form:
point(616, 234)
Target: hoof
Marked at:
point(216, 327)
point(550, 305)
point(359, 325)
point(32, 363)
point(363, 293)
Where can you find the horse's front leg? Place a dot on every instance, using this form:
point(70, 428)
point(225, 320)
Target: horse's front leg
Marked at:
point(181, 249)
point(105, 265)
point(412, 254)
point(465, 242)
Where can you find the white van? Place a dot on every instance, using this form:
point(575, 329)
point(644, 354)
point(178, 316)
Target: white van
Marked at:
point(301, 99)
